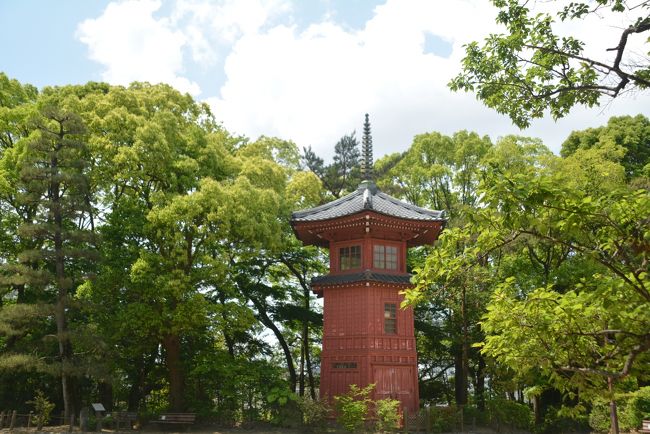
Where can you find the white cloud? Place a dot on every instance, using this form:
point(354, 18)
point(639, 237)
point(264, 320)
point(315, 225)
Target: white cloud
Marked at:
point(215, 26)
point(313, 84)
point(133, 45)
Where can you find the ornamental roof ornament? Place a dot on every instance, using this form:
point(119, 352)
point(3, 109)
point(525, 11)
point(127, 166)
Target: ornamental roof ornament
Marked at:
point(366, 152)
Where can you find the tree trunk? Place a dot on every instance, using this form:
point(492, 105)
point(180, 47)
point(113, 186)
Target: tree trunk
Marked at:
point(138, 380)
point(460, 382)
point(105, 391)
point(230, 342)
point(65, 348)
point(537, 410)
point(172, 345)
point(264, 318)
point(612, 407)
point(480, 383)
point(304, 351)
point(134, 397)
point(310, 374)
point(301, 378)
point(460, 366)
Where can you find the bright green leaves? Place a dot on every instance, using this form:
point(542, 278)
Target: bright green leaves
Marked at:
point(304, 190)
point(624, 139)
point(281, 396)
point(560, 247)
point(530, 70)
point(576, 338)
point(438, 171)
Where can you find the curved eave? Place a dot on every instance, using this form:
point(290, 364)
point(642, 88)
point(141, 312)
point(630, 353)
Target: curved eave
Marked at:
point(367, 197)
point(359, 280)
point(319, 232)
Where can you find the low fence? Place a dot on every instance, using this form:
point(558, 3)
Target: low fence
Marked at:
point(430, 420)
point(12, 419)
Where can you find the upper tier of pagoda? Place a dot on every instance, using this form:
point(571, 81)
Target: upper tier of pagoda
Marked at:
point(367, 210)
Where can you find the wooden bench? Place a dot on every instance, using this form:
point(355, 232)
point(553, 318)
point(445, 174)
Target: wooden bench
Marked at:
point(645, 427)
point(127, 418)
point(176, 419)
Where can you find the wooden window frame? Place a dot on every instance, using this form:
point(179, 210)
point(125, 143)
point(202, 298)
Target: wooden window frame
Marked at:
point(346, 259)
point(380, 255)
point(390, 318)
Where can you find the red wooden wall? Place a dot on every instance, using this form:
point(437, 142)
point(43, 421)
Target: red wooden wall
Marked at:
point(353, 333)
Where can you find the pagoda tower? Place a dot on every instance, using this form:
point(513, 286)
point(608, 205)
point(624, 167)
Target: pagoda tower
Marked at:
point(367, 337)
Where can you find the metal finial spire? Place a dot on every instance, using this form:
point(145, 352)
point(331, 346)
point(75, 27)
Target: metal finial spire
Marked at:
point(366, 152)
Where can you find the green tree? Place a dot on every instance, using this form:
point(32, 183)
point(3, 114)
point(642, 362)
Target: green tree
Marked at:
point(343, 175)
point(631, 134)
point(54, 185)
point(577, 309)
point(532, 68)
point(352, 407)
point(438, 171)
point(196, 204)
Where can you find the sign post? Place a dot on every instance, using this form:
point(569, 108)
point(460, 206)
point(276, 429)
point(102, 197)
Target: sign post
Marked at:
point(99, 414)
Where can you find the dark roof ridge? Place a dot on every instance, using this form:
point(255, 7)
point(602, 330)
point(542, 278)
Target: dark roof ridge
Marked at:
point(362, 276)
point(367, 197)
point(410, 206)
point(327, 205)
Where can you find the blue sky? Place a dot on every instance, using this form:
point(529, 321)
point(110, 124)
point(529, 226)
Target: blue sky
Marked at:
point(38, 45)
point(301, 70)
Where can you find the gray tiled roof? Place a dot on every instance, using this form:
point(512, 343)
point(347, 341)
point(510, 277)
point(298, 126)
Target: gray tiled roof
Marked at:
point(339, 279)
point(367, 197)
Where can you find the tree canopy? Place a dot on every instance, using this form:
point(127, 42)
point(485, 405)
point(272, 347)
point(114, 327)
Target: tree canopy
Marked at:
point(533, 69)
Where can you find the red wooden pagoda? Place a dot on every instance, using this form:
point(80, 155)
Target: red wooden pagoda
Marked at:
point(367, 337)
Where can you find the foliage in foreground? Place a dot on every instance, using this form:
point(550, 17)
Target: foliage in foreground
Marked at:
point(633, 408)
point(506, 413)
point(387, 415)
point(355, 408)
point(533, 68)
point(352, 407)
point(42, 409)
point(314, 412)
point(564, 243)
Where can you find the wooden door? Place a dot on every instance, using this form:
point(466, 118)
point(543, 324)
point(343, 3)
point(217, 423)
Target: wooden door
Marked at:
point(396, 382)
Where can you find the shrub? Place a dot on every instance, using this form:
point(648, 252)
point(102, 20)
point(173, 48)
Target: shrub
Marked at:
point(43, 408)
point(284, 407)
point(557, 422)
point(387, 412)
point(444, 419)
point(638, 407)
point(314, 412)
point(599, 419)
point(352, 407)
point(632, 408)
point(503, 412)
point(473, 416)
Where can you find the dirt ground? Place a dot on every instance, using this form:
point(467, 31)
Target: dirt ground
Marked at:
point(203, 430)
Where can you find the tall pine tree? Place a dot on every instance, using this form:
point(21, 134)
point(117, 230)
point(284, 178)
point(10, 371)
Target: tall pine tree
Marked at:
point(54, 183)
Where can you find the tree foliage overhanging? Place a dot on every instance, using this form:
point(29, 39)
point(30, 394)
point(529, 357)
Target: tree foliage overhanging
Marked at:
point(533, 68)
